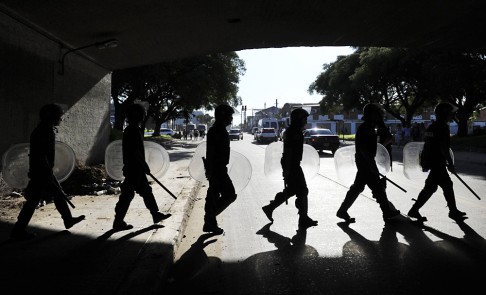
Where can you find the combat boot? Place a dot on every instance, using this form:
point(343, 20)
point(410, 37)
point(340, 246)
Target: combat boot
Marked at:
point(70, 222)
point(305, 222)
point(457, 215)
point(268, 209)
point(341, 213)
point(414, 213)
point(159, 216)
point(120, 225)
point(390, 213)
point(211, 226)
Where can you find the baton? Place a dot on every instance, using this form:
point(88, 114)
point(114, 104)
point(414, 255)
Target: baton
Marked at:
point(474, 193)
point(388, 179)
point(160, 183)
point(69, 202)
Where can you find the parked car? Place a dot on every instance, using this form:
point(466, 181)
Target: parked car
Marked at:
point(235, 134)
point(166, 131)
point(266, 135)
point(321, 139)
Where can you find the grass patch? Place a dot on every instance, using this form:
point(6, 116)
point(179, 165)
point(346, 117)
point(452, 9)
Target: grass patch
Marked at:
point(347, 137)
point(472, 143)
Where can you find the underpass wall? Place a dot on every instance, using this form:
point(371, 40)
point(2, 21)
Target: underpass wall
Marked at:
point(29, 78)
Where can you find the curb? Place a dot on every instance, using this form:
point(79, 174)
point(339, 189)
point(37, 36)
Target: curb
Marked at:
point(146, 276)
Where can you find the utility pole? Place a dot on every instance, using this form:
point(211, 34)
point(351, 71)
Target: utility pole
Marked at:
point(245, 119)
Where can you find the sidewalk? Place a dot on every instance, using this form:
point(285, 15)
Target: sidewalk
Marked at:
point(92, 259)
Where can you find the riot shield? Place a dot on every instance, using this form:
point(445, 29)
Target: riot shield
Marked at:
point(15, 164)
point(411, 161)
point(239, 168)
point(344, 161)
point(273, 153)
point(156, 157)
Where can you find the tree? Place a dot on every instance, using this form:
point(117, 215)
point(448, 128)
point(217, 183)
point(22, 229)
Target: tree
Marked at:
point(394, 77)
point(176, 88)
point(461, 80)
point(404, 81)
point(204, 119)
point(335, 85)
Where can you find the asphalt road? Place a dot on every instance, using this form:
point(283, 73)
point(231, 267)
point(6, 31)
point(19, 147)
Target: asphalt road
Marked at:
point(366, 257)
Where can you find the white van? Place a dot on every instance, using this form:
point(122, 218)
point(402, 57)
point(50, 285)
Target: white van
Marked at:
point(268, 123)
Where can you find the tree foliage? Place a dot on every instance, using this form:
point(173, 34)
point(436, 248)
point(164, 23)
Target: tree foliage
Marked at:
point(404, 81)
point(174, 89)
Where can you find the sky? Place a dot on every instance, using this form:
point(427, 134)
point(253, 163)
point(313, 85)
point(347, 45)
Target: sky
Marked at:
point(283, 74)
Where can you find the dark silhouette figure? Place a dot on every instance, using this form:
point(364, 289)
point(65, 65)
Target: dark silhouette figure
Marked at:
point(134, 170)
point(294, 178)
point(437, 158)
point(221, 192)
point(368, 174)
point(43, 183)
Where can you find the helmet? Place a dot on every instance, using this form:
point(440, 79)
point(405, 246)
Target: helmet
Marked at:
point(50, 113)
point(135, 112)
point(298, 115)
point(223, 110)
point(372, 109)
point(443, 109)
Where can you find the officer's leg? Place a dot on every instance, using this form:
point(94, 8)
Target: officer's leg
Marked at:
point(228, 195)
point(121, 207)
point(379, 193)
point(356, 188)
point(279, 199)
point(210, 222)
point(145, 191)
point(302, 204)
point(446, 184)
point(25, 215)
point(63, 209)
point(429, 189)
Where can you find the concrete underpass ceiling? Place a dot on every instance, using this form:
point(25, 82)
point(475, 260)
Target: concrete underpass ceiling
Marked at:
point(151, 31)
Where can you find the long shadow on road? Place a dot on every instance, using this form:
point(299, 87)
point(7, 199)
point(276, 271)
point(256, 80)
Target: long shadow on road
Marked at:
point(386, 266)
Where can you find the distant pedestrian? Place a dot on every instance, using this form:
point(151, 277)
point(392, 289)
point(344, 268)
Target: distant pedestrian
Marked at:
point(436, 157)
point(43, 183)
point(406, 134)
point(398, 135)
point(368, 174)
point(421, 131)
point(294, 179)
point(221, 191)
point(135, 169)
